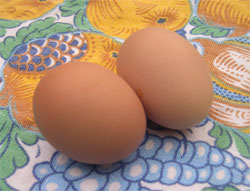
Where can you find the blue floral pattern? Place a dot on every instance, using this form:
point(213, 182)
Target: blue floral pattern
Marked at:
point(166, 160)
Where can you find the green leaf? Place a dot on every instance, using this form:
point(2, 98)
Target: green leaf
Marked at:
point(12, 155)
point(37, 29)
point(70, 7)
point(81, 21)
point(9, 23)
point(6, 24)
point(198, 30)
point(242, 143)
point(210, 189)
point(220, 32)
point(77, 8)
point(7, 46)
point(52, 29)
point(24, 33)
point(29, 138)
point(222, 136)
point(195, 21)
point(5, 125)
point(2, 32)
point(230, 188)
point(4, 186)
point(215, 131)
point(207, 30)
point(56, 28)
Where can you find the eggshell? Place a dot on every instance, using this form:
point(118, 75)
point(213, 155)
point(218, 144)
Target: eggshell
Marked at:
point(168, 74)
point(89, 113)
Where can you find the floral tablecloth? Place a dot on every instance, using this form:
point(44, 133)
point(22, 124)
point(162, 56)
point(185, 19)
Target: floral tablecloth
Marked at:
point(39, 35)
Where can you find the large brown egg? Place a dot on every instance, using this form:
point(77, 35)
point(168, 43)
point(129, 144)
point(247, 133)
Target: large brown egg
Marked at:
point(89, 113)
point(170, 77)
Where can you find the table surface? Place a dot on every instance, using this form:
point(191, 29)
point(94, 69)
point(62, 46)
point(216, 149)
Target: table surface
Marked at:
point(36, 36)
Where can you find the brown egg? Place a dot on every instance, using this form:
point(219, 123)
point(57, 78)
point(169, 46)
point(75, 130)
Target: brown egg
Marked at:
point(168, 74)
point(89, 113)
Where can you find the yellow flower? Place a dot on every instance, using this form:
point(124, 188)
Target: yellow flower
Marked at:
point(18, 94)
point(122, 18)
point(102, 51)
point(26, 9)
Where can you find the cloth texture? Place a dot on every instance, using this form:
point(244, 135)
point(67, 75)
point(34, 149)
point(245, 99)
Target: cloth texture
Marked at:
point(39, 35)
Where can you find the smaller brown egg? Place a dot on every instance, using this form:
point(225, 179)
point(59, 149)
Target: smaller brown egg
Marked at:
point(89, 113)
point(168, 74)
